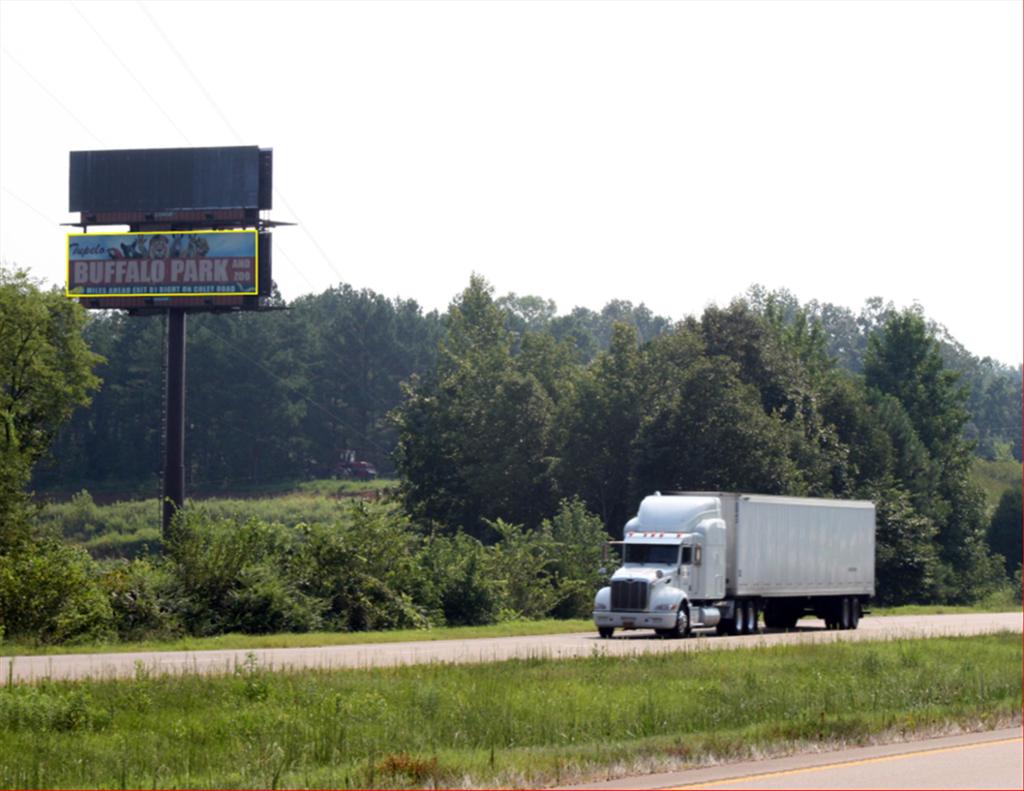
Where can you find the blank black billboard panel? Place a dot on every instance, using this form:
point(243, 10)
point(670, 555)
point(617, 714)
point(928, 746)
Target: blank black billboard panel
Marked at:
point(170, 179)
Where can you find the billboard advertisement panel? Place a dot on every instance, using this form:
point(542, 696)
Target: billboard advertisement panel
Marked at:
point(169, 179)
point(163, 264)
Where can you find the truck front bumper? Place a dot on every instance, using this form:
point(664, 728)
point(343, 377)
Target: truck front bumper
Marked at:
point(635, 620)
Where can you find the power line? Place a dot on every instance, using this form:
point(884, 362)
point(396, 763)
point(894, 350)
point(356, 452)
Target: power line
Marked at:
point(49, 220)
point(49, 93)
point(234, 132)
point(279, 250)
point(187, 68)
point(130, 73)
point(238, 138)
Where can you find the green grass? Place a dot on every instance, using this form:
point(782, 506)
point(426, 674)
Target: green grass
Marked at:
point(525, 722)
point(308, 639)
point(1001, 601)
point(133, 528)
point(995, 477)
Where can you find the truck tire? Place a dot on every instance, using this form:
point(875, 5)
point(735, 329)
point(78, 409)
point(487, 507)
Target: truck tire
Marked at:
point(739, 622)
point(729, 625)
point(604, 632)
point(750, 621)
point(844, 613)
point(682, 623)
point(854, 613)
point(834, 613)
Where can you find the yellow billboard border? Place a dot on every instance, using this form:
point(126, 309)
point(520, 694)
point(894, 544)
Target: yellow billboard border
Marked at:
point(67, 279)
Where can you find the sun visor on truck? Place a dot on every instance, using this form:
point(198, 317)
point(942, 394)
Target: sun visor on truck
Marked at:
point(649, 537)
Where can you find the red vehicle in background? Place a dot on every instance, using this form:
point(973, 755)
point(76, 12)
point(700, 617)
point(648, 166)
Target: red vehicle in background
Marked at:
point(350, 467)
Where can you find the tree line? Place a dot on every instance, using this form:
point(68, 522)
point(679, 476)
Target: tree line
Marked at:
point(746, 397)
point(279, 395)
point(516, 433)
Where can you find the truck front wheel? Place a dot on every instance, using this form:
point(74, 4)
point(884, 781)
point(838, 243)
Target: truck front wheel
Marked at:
point(604, 632)
point(682, 622)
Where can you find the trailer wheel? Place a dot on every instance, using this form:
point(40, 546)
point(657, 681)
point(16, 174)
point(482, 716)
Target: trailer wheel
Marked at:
point(604, 632)
point(854, 613)
point(739, 622)
point(844, 613)
point(750, 622)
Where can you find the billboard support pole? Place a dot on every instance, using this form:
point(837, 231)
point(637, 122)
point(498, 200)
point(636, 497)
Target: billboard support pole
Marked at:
point(174, 459)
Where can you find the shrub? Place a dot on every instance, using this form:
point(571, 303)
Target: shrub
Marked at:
point(579, 541)
point(138, 595)
point(51, 592)
point(459, 588)
point(230, 576)
point(367, 569)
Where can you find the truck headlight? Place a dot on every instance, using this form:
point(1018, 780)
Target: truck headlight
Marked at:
point(664, 607)
point(598, 606)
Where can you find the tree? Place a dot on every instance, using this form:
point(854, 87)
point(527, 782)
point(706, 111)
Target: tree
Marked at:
point(45, 373)
point(475, 435)
point(903, 360)
point(907, 566)
point(601, 422)
point(710, 433)
point(1004, 532)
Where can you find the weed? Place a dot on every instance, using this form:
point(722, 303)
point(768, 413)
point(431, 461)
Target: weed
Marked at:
point(411, 769)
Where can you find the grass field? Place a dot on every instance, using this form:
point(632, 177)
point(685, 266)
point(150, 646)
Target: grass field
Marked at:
point(995, 477)
point(133, 528)
point(519, 723)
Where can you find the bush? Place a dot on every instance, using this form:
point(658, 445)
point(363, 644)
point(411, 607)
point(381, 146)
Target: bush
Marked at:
point(51, 593)
point(138, 595)
point(366, 569)
point(460, 590)
point(579, 539)
point(233, 577)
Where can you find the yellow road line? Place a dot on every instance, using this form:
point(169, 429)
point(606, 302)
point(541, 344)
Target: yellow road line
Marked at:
point(767, 775)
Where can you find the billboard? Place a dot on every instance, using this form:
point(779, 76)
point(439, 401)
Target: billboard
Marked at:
point(170, 179)
point(163, 264)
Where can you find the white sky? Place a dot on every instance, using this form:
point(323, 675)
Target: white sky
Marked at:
point(665, 153)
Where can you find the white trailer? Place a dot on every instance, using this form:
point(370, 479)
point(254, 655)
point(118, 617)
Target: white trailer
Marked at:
point(715, 559)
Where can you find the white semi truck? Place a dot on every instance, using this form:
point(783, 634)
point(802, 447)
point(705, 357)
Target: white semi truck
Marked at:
point(696, 560)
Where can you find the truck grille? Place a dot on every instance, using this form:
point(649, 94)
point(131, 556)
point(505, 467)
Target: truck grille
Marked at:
point(629, 594)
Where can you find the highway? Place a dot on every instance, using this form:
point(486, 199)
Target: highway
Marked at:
point(562, 646)
point(991, 759)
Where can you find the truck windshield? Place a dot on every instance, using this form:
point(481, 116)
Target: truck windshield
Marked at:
point(665, 554)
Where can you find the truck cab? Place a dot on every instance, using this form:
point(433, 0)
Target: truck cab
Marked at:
point(673, 564)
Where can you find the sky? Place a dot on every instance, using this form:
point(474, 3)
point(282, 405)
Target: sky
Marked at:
point(665, 153)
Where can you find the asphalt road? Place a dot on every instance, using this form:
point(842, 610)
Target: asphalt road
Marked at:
point(992, 759)
point(73, 666)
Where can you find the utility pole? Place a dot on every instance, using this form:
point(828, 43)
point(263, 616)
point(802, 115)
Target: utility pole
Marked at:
point(174, 446)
